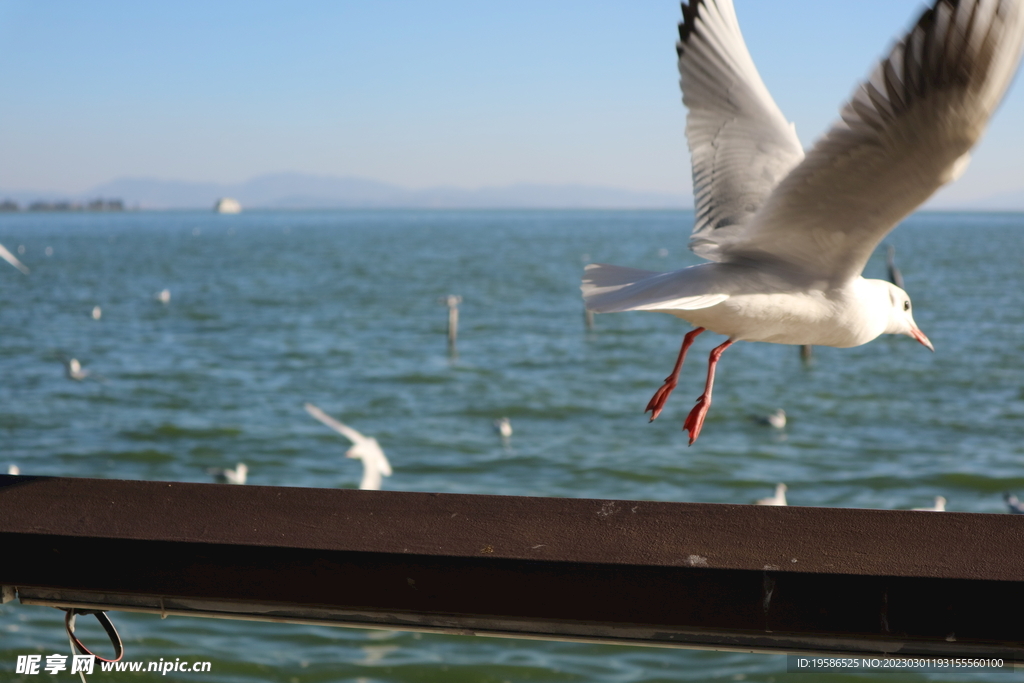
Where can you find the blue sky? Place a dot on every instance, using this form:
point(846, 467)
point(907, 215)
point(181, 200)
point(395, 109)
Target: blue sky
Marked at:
point(447, 92)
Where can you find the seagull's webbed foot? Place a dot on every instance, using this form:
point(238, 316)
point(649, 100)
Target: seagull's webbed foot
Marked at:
point(660, 397)
point(695, 420)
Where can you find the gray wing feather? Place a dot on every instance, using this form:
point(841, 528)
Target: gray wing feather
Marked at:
point(740, 143)
point(906, 131)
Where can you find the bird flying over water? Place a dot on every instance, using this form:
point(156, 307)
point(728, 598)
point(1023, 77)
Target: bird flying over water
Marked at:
point(788, 234)
point(365, 448)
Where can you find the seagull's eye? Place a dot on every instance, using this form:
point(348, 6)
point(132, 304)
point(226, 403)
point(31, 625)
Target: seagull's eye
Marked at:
point(906, 305)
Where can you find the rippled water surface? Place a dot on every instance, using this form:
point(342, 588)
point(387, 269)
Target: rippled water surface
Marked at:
point(270, 310)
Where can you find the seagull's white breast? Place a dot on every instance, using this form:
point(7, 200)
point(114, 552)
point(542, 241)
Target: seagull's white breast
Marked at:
point(841, 317)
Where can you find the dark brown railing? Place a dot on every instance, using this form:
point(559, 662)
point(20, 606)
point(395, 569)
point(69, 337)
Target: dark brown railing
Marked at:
point(778, 579)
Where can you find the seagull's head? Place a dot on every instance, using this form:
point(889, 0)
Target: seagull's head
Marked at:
point(901, 316)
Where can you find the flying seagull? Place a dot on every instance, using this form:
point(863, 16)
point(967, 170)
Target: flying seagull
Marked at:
point(787, 235)
point(365, 448)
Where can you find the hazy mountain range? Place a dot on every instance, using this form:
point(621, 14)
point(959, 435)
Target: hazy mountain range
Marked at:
point(305, 191)
point(1003, 201)
point(302, 191)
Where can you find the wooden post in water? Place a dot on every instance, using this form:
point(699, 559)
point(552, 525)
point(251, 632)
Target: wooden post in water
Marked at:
point(588, 319)
point(452, 301)
point(806, 353)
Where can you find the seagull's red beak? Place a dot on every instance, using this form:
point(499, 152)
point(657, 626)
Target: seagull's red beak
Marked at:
point(919, 336)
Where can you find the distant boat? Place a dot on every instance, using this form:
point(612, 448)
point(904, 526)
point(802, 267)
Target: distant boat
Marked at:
point(227, 205)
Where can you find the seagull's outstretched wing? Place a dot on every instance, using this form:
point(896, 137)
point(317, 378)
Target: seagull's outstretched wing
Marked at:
point(740, 143)
point(906, 132)
point(12, 259)
point(346, 431)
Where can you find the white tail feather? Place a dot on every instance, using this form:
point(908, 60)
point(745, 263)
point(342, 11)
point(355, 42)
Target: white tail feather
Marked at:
point(613, 289)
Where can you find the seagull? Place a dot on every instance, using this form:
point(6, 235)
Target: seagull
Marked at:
point(776, 419)
point(503, 427)
point(75, 370)
point(229, 476)
point(365, 448)
point(164, 296)
point(940, 506)
point(13, 469)
point(1016, 507)
point(788, 234)
point(12, 259)
point(778, 499)
point(97, 312)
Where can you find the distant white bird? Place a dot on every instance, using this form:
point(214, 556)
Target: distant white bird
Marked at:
point(778, 499)
point(164, 296)
point(231, 476)
point(74, 370)
point(503, 427)
point(13, 469)
point(1016, 507)
point(365, 448)
point(940, 506)
point(12, 259)
point(789, 234)
point(776, 419)
point(97, 312)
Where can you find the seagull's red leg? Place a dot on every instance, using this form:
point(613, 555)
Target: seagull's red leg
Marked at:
point(657, 401)
point(695, 420)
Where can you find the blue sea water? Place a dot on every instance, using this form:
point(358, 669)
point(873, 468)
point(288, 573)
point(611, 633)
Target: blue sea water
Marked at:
point(270, 310)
